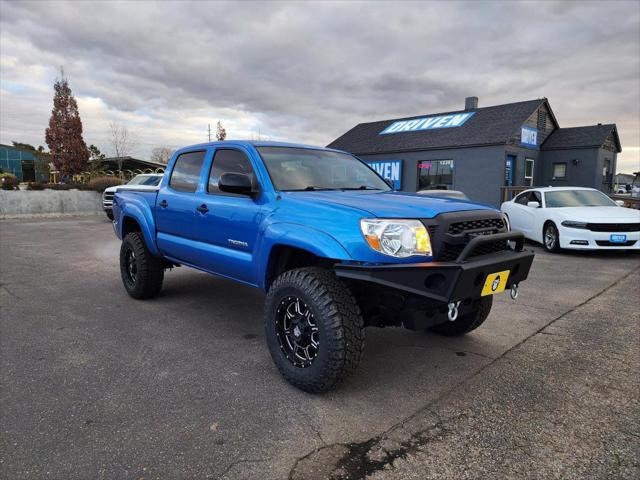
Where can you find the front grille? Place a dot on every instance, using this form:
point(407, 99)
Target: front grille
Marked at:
point(607, 243)
point(488, 225)
point(614, 227)
point(451, 232)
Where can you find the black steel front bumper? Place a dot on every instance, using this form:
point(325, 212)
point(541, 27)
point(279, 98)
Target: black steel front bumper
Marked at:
point(449, 281)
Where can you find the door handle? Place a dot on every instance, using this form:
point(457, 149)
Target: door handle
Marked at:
point(164, 204)
point(203, 208)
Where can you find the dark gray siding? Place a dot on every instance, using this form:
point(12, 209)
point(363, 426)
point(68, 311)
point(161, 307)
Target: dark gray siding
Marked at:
point(584, 174)
point(478, 172)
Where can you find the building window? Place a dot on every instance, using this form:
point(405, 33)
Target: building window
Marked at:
point(528, 171)
point(559, 171)
point(435, 173)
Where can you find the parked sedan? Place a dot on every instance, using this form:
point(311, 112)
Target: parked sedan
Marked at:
point(143, 181)
point(573, 217)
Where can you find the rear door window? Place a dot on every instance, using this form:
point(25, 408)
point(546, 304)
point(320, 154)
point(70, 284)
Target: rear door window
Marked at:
point(186, 172)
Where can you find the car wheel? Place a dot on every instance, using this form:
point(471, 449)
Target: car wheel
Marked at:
point(465, 323)
point(551, 238)
point(109, 214)
point(142, 273)
point(314, 329)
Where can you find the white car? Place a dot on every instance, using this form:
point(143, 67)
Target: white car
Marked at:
point(573, 217)
point(146, 181)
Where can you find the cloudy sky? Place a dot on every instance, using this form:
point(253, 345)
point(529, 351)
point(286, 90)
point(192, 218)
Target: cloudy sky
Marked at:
point(307, 72)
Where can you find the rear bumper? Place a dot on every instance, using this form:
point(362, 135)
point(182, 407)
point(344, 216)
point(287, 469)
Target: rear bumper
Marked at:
point(448, 281)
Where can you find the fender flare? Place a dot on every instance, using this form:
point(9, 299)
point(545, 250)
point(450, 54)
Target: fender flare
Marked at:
point(141, 213)
point(294, 235)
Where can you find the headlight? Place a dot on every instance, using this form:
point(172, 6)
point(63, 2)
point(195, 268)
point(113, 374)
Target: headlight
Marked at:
point(572, 224)
point(397, 238)
point(506, 222)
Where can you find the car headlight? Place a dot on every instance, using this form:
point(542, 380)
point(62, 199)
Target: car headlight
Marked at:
point(397, 238)
point(506, 222)
point(572, 224)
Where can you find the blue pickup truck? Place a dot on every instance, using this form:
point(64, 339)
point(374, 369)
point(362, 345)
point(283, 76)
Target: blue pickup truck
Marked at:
point(332, 245)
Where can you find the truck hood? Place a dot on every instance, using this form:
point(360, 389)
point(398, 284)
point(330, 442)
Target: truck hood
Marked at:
point(387, 204)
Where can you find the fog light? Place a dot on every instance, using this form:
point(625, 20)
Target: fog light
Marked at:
point(579, 242)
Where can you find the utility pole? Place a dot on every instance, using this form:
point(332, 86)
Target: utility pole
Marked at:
point(209, 125)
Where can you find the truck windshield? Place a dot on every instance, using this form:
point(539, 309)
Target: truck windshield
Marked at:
point(577, 198)
point(299, 169)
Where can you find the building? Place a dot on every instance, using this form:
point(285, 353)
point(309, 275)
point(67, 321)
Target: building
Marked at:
point(27, 165)
point(487, 152)
point(128, 165)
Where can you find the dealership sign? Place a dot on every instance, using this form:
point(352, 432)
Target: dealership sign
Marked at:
point(529, 136)
point(390, 170)
point(428, 123)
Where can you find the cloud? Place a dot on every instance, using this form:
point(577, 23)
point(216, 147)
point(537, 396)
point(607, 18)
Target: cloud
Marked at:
point(310, 71)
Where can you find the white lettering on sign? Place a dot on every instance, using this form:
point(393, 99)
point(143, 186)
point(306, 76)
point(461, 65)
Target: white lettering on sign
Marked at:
point(390, 170)
point(428, 123)
point(529, 136)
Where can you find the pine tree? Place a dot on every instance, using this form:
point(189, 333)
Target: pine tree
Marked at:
point(68, 151)
point(221, 132)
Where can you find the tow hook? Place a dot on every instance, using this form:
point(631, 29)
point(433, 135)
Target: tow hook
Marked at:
point(453, 310)
point(514, 291)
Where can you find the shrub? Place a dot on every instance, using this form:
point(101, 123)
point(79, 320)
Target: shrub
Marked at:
point(9, 181)
point(99, 184)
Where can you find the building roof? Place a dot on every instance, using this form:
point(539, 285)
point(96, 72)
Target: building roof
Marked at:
point(128, 163)
point(581, 137)
point(492, 125)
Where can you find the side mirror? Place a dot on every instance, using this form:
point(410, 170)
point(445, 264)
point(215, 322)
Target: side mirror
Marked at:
point(620, 203)
point(533, 204)
point(239, 183)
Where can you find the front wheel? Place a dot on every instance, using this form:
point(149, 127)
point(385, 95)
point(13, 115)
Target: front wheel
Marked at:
point(465, 323)
point(109, 214)
point(142, 273)
point(314, 329)
point(551, 238)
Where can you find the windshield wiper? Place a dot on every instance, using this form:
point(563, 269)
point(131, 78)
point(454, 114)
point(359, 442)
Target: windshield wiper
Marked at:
point(310, 188)
point(361, 187)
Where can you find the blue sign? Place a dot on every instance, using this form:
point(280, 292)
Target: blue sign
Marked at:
point(389, 169)
point(428, 123)
point(529, 136)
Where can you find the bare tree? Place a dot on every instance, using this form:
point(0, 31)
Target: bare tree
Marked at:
point(162, 154)
point(122, 141)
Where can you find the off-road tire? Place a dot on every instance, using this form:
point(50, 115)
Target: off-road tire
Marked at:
point(149, 269)
point(339, 322)
point(109, 214)
point(465, 323)
point(555, 248)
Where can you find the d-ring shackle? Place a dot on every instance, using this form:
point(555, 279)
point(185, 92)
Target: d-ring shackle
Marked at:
point(453, 310)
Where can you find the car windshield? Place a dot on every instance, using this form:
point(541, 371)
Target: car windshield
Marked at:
point(149, 180)
point(577, 198)
point(300, 169)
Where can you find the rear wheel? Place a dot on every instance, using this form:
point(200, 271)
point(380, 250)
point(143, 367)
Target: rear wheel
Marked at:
point(551, 237)
point(467, 322)
point(142, 273)
point(314, 328)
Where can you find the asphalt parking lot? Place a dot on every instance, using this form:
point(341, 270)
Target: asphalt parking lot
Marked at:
point(97, 385)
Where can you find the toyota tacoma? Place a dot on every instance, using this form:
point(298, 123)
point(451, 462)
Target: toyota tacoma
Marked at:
point(334, 248)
